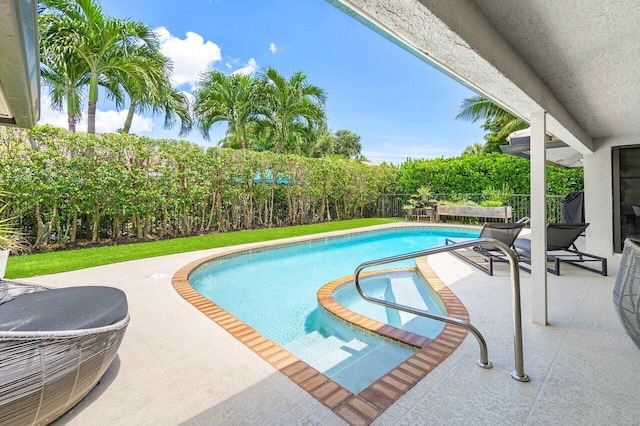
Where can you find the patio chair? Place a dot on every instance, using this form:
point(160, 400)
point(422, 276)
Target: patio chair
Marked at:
point(488, 253)
point(561, 238)
point(626, 293)
point(55, 345)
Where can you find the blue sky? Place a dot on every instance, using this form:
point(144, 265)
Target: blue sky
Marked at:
point(398, 104)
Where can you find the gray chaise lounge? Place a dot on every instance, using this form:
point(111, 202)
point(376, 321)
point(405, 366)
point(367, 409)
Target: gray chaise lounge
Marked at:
point(561, 238)
point(55, 345)
point(504, 232)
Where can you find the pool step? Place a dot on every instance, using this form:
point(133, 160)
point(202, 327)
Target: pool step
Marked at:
point(314, 346)
point(354, 362)
point(405, 292)
point(370, 365)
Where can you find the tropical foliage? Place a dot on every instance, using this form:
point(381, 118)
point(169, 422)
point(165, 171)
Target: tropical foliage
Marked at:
point(84, 51)
point(72, 187)
point(10, 236)
point(474, 174)
point(294, 108)
point(232, 99)
point(267, 112)
point(82, 48)
point(496, 121)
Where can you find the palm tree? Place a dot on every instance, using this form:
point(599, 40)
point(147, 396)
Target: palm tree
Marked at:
point(292, 109)
point(475, 149)
point(498, 122)
point(153, 91)
point(79, 29)
point(221, 98)
point(66, 81)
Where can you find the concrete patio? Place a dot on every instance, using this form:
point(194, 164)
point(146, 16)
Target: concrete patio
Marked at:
point(176, 366)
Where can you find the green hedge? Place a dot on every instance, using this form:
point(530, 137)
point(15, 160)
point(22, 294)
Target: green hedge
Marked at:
point(81, 187)
point(474, 173)
point(73, 187)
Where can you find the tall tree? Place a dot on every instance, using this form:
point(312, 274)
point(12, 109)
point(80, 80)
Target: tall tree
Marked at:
point(232, 99)
point(80, 29)
point(292, 109)
point(347, 144)
point(497, 122)
point(66, 80)
point(152, 91)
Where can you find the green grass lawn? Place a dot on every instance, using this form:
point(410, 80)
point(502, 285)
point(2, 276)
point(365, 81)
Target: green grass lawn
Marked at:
point(71, 260)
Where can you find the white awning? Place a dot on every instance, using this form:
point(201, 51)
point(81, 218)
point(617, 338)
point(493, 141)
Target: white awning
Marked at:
point(558, 152)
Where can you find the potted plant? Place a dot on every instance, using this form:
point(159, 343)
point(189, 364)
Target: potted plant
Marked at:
point(424, 192)
point(10, 239)
point(410, 208)
point(421, 205)
point(495, 205)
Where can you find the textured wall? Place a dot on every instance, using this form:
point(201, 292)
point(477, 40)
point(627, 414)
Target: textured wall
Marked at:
point(598, 186)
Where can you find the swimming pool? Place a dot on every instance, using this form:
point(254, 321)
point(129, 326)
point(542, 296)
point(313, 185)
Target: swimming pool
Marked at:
point(274, 291)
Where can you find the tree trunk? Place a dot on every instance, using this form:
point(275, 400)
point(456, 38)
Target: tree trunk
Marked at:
point(211, 212)
point(71, 111)
point(220, 222)
point(186, 223)
point(72, 123)
point(74, 226)
point(96, 223)
point(93, 99)
point(39, 226)
point(116, 227)
point(323, 203)
point(165, 221)
point(91, 125)
point(137, 219)
point(129, 119)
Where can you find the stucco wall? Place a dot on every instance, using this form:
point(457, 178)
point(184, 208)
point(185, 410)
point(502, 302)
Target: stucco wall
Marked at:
point(598, 186)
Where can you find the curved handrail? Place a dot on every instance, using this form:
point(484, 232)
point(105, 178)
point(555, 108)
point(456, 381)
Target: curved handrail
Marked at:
point(518, 373)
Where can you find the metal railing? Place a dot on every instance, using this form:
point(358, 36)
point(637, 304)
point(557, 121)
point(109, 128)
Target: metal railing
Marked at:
point(483, 361)
point(390, 205)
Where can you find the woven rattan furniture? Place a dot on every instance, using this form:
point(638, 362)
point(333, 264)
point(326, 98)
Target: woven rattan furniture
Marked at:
point(45, 373)
point(626, 293)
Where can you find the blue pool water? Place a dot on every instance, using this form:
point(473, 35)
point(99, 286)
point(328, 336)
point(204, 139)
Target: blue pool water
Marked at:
point(405, 288)
point(274, 291)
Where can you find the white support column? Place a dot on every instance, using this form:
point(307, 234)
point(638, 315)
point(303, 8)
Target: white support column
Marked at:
point(538, 218)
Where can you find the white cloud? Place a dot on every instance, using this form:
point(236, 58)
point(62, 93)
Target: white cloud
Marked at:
point(110, 121)
point(106, 121)
point(49, 116)
point(273, 48)
point(249, 68)
point(190, 56)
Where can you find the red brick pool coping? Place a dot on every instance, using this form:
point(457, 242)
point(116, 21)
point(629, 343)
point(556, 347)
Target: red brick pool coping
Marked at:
point(365, 407)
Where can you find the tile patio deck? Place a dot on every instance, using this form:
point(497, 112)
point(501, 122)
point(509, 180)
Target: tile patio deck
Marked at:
point(176, 366)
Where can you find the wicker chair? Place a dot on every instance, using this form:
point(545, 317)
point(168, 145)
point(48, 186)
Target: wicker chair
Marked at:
point(626, 293)
point(45, 373)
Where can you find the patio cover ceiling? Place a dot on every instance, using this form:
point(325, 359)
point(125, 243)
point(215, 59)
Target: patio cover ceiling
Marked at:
point(19, 63)
point(577, 60)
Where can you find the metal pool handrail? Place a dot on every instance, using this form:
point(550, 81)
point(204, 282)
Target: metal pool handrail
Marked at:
point(518, 373)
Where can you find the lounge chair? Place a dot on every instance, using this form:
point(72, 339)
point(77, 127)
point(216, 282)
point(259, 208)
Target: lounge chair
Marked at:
point(485, 253)
point(55, 345)
point(561, 238)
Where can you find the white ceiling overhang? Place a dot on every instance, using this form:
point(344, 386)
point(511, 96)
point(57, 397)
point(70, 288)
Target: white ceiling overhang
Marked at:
point(19, 63)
